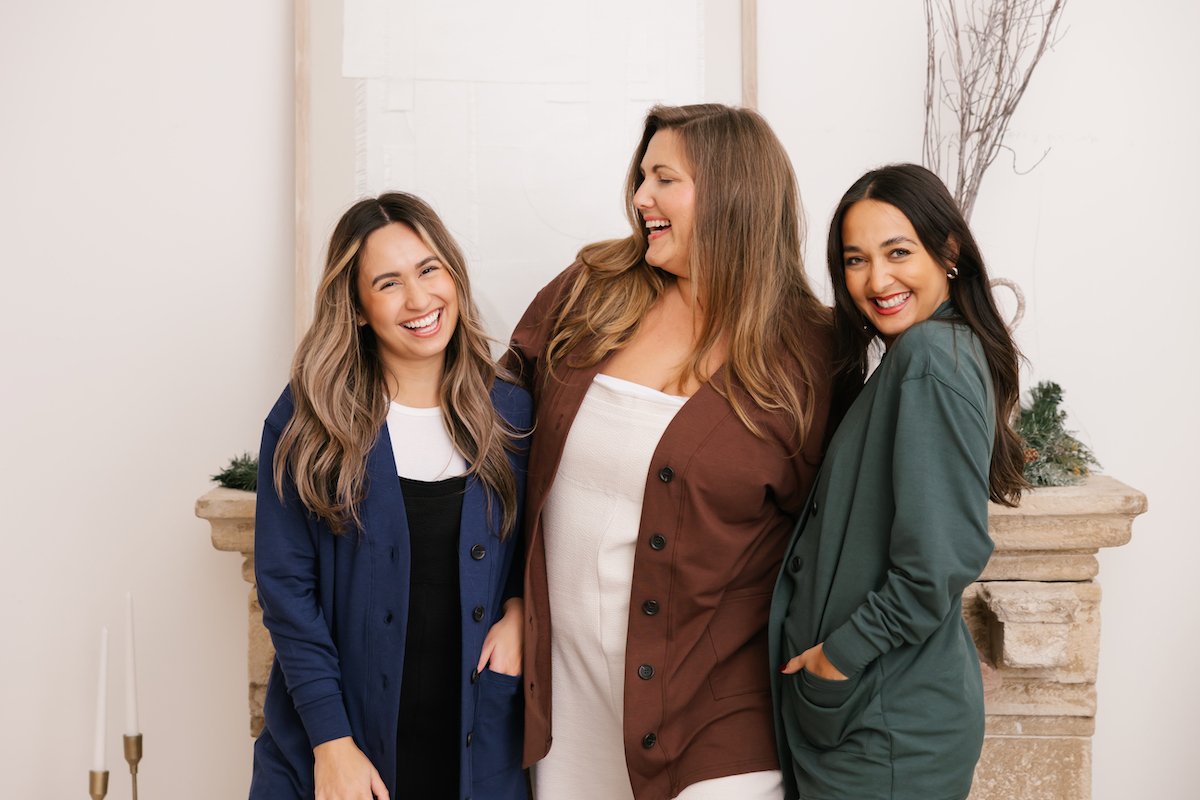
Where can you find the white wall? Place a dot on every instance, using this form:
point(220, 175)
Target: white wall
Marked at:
point(1099, 236)
point(145, 329)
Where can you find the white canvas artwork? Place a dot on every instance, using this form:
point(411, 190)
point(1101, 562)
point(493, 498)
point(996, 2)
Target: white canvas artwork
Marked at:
point(516, 120)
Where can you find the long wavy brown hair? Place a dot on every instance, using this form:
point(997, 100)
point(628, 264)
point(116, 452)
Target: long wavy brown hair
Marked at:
point(339, 385)
point(922, 197)
point(745, 261)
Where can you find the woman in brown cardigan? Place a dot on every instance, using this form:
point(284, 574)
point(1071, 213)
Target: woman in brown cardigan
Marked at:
point(681, 382)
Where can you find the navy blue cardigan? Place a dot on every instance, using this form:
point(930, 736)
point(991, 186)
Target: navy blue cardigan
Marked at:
point(337, 611)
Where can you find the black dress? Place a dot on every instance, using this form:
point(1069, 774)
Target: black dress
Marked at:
point(427, 746)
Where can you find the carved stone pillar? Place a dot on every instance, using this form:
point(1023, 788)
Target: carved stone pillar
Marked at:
point(1035, 616)
point(230, 512)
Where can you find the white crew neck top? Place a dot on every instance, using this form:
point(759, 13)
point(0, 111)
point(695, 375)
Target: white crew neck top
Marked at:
point(421, 444)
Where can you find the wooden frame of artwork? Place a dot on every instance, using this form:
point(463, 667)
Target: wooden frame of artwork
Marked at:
point(750, 53)
point(302, 167)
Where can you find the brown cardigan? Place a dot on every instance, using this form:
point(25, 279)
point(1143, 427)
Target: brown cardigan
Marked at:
point(719, 507)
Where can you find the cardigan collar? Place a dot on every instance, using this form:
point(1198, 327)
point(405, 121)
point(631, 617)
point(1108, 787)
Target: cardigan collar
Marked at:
point(946, 310)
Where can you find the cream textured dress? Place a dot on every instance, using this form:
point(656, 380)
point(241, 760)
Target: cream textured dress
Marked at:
point(591, 521)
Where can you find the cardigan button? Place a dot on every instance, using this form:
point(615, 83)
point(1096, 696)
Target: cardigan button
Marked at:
point(477, 613)
point(469, 738)
point(649, 740)
point(650, 608)
point(797, 563)
point(658, 541)
point(812, 510)
point(474, 675)
point(478, 552)
point(646, 672)
point(666, 474)
point(387, 618)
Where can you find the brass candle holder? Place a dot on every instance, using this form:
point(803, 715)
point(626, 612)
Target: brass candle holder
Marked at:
point(97, 783)
point(133, 754)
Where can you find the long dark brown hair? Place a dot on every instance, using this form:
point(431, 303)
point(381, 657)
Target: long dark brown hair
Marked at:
point(339, 384)
point(922, 197)
point(744, 260)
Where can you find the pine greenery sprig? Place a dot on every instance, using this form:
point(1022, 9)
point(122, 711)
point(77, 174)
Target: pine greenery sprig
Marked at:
point(242, 473)
point(1053, 456)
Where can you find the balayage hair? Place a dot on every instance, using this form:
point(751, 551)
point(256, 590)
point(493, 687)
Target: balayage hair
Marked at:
point(339, 383)
point(922, 197)
point(744, 260)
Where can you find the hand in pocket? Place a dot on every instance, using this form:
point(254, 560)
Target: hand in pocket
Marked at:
point(503, 648)
point(813, 661)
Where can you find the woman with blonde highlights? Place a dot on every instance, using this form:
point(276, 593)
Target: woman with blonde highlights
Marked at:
point(680, 377)
point(391, 481)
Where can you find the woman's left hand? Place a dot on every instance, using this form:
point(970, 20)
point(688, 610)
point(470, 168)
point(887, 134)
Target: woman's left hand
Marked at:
point(504, 646)
point(813, 660)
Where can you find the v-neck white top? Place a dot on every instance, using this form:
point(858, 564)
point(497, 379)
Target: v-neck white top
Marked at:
point(591, 522)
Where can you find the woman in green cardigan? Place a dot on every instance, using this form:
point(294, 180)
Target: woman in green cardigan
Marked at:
point(879, 692)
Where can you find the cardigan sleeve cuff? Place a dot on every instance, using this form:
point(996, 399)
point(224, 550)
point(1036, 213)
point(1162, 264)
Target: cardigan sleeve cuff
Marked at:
point(848, 650)
point(325, 719)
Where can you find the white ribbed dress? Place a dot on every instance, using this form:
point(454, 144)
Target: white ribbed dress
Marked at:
point(590, 524)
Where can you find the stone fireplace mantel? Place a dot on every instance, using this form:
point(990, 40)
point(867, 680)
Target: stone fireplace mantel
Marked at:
point(1034, 614)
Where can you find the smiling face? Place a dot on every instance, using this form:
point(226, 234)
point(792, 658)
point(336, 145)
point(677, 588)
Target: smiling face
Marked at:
point(666, 202)
point(408, 298)
point(892, 278)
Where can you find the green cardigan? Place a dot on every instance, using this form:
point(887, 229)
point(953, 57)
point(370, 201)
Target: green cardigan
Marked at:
point(895, 528)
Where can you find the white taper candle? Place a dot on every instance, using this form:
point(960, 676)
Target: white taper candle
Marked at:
point(98, 753)
point(131, 708)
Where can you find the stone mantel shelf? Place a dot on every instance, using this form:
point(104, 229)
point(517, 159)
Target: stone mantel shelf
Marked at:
point(1055, 533)
point(1034, 615)
point(1105, 506)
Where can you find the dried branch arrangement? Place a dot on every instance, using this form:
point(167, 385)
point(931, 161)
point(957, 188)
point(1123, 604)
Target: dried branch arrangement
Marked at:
point(981, 56)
